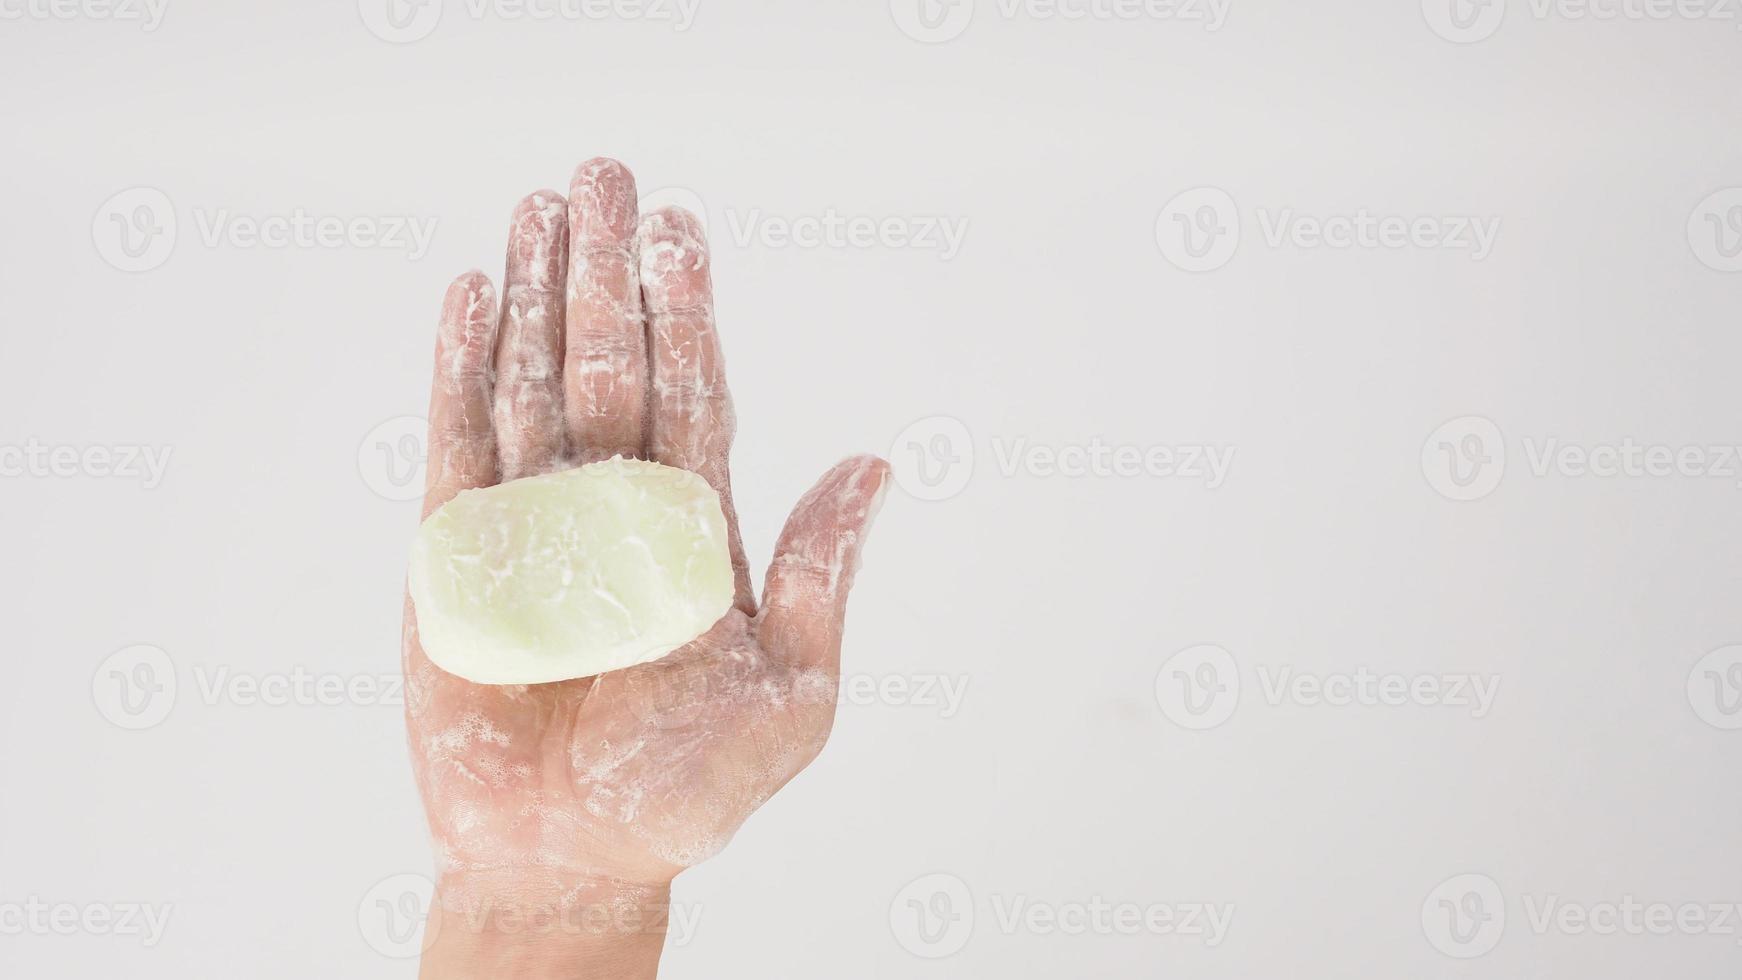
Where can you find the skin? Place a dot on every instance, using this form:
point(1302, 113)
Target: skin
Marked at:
point(561, 812)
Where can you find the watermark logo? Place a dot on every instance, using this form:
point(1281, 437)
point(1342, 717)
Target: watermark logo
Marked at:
point(393, 458)
point(407, 21)
point(401, 21)
point(1715, 688)
point(394, 916)
point(1464, 21)
point(933, 917)
point(135, 229)
point(399, 917)
point(932, 21)
point(1198, 688)
point(1199, 230)
point(937, 21)
point(1468, 21)
point(1464, 459)
point(1715, 230)
point(933, 458)
point(1464, 916)
point(135, 687)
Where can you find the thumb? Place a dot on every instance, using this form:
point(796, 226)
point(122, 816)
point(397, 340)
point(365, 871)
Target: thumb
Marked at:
point(805, 599)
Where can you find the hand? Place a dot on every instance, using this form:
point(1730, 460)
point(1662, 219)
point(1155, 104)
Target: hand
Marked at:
point(565, 799)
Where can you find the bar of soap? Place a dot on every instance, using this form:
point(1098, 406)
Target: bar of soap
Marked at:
point(570, 574)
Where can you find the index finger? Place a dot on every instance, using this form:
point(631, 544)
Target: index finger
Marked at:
point(691, 424)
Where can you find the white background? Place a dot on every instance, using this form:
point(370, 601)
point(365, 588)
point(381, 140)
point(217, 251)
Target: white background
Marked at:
point(1598, 774)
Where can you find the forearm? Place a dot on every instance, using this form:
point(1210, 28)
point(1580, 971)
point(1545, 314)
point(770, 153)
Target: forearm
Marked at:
point(589, 936)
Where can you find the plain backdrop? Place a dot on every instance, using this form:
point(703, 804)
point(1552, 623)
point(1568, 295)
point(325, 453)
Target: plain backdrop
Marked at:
point(1602, 772)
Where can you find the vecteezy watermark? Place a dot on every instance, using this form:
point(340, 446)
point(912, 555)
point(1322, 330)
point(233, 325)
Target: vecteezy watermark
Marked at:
point(934, 917)
point(1715, 688)
point(405, 21)
point(137, 687)
point(934, 459)
point(940, 234)
point(1469, 21)
point(1200, 230)
point(1199, 688)
point(297, 687)
point(136, 230)
point(943, 693)
point(1629, 916)
point(395, 920)
point(937, 21)
point(829, 228)
point(1464, 916)
point(1466, 459)
point(39, 460)
point(300, 229)
point(129, 920)
point(1715, 230)
point(939, 694)
point(393, 458)
point(1102, 460)
point(146, 13)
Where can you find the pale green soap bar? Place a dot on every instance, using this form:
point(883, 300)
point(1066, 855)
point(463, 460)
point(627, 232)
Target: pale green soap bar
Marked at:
point(570, 574)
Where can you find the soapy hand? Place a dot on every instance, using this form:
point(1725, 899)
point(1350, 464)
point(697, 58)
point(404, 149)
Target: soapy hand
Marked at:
point(594, 793)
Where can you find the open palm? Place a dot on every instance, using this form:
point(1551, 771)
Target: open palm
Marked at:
point(604, 344)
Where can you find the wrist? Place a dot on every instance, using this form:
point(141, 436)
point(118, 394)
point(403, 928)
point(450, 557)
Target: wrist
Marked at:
point(548, 929)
